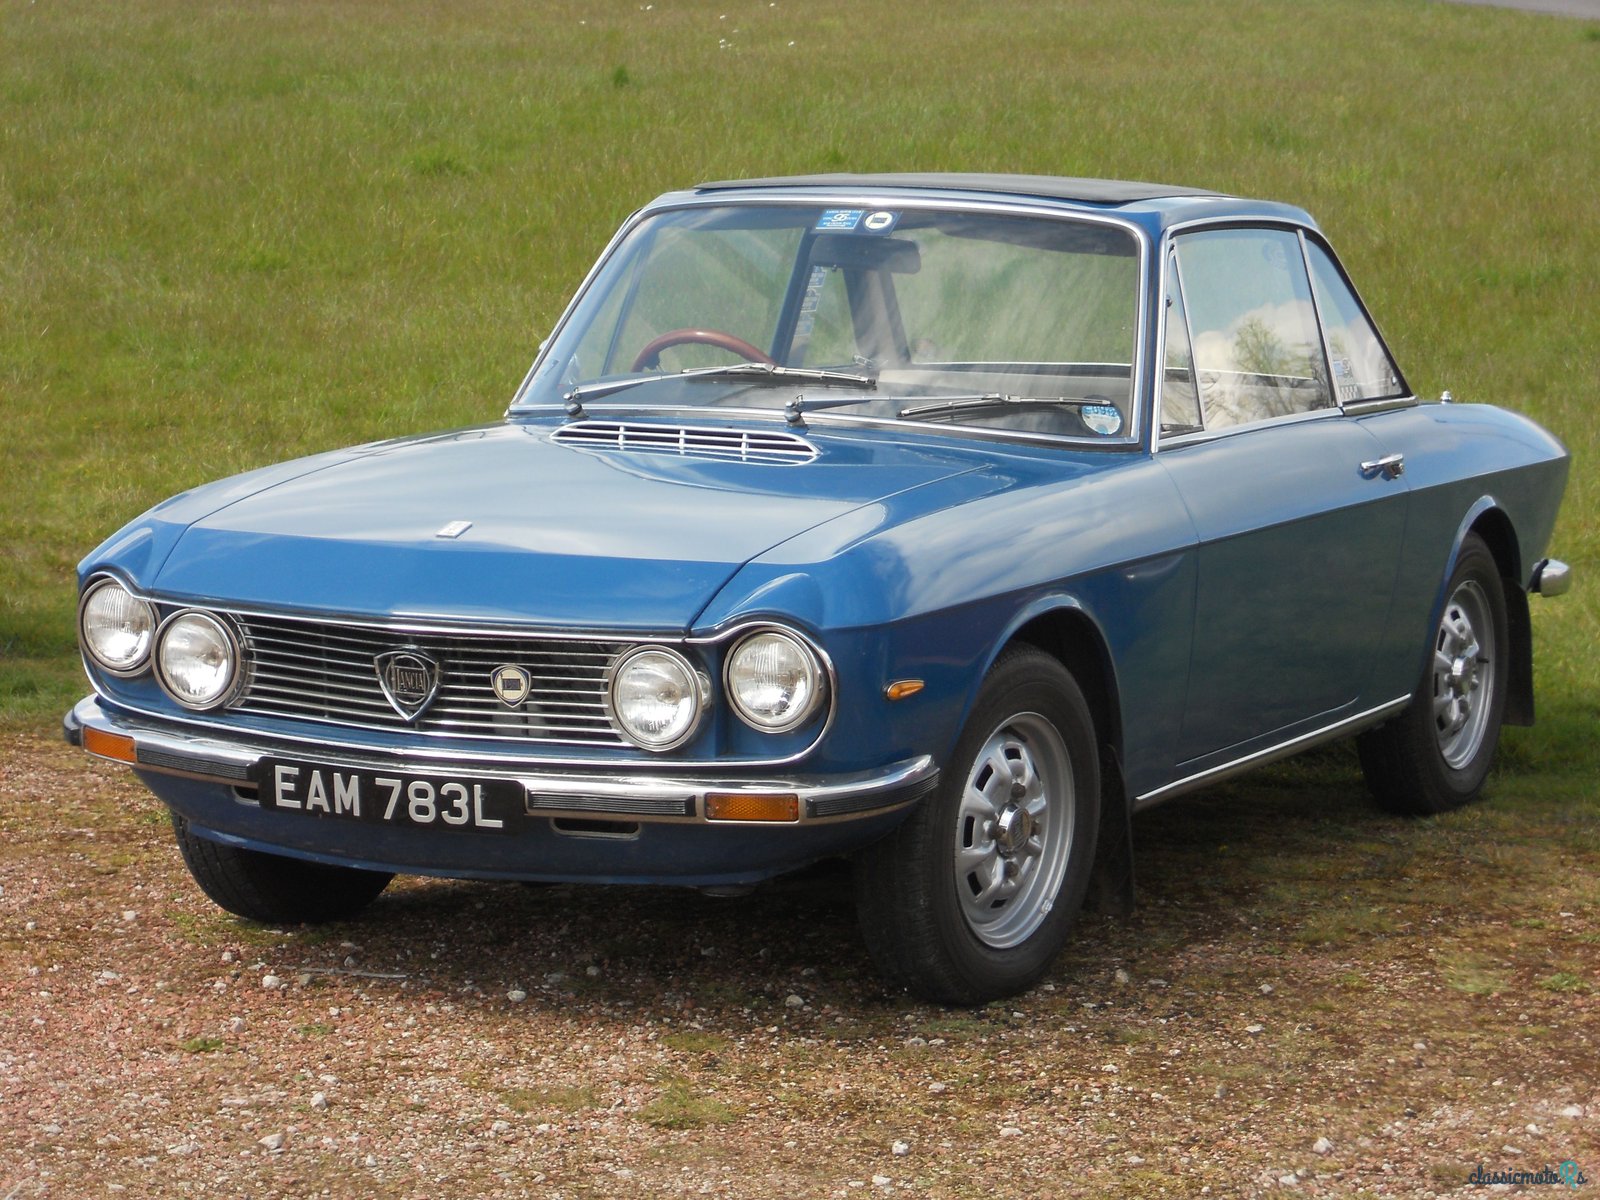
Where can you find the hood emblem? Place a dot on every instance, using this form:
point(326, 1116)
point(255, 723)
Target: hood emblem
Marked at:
point(511, 685)
point(409, 679)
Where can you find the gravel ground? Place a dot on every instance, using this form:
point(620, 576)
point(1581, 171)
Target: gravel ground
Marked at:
point(1237, 1037)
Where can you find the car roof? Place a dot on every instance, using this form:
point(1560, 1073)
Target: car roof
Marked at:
point(1159, 204)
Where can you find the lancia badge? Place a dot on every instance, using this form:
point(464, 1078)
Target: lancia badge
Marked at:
point(409, 679)
point(511, 684)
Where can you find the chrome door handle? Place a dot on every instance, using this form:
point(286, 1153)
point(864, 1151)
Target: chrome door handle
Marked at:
point(1390, 466)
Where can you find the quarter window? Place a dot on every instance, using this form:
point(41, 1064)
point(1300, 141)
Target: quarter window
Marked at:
point(1180, 400)
point(1257, 350)
point(1362, 368)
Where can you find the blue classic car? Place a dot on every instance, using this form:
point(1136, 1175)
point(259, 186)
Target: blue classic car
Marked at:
point(940, 521)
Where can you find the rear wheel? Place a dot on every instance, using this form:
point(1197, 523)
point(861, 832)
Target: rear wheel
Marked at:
point(973, 896)
point(272, 888)
point(1436, 755)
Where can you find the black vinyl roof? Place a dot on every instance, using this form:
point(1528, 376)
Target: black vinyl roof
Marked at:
point(1091, 191)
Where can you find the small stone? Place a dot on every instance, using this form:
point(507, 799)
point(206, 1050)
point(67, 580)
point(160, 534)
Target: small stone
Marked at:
point(500, 1127)
point(516, 995)
point(1419, 1045)
point(271, 981)
point(1289, 1180)
point(1254, 1029)
point(1534, 1129)
point(1265, 989)
point(900, 1149)
point(129, 914)
point(52, 1129)
point(1122, 976)
point(370, 1160)
point(592, 971)
point(1572, 1110)
point(794, 1001)
point(30, 926)
point(227, 956)
point(1157, 982)
point(319, 1101)
point(1322, 1146)
point(914, 1040)
point(938, 1086)
point(1110, 1069)
point(273, 1142)
point(882, 1181)
point(303, 979)
point(1010, 1131)
point(1221, 1091)
point(235, 1024)
point(1134, 1160)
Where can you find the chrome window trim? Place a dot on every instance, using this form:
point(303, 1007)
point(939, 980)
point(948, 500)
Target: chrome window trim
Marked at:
point(1137, 369)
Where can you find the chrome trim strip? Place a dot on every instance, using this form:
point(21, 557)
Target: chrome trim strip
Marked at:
point(1305, 741)
point(1551, 577)
point(604, 794)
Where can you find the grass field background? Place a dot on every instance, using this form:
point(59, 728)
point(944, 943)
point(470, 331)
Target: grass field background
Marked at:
point(230, 234)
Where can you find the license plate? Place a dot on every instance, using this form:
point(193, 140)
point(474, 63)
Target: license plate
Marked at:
point(391, 798)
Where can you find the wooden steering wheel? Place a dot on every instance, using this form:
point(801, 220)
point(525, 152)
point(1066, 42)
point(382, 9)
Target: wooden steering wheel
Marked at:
point(650, 356)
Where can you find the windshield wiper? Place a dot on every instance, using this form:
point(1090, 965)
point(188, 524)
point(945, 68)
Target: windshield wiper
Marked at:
point(754, 372)
point(960, 404)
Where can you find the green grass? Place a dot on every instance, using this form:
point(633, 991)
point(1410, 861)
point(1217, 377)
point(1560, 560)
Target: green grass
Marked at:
point(236, 233)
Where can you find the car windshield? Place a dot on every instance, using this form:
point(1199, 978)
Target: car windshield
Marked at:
point(970, 318)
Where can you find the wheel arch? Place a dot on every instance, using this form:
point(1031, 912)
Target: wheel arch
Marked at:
point(1069, 635)
point(1491, 524)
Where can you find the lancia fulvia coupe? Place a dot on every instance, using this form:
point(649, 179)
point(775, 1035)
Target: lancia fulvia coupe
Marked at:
point(939, 522)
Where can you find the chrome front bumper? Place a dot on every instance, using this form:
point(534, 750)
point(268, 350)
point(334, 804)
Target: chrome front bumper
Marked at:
point(644, 797)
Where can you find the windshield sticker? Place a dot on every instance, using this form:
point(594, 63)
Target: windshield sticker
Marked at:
point(1103, 419)
point(880, 222)
point(840, 220)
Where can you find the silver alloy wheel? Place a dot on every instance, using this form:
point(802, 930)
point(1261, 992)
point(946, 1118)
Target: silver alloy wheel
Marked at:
point(1463, 674)
point(1014, 831)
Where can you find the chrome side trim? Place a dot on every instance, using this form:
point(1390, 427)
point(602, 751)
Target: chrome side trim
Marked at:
point(1551, 577)
point(611, 793)
point(1328, 733)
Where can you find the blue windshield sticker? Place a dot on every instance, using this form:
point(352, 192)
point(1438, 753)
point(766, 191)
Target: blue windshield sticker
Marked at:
point(1103, 419)
point(880, 222)
point(840, 220)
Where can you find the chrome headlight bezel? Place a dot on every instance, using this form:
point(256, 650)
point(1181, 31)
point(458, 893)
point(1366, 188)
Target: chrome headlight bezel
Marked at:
point(693, 682)
point(138, 664)
point(228, 639)
point(812, 662)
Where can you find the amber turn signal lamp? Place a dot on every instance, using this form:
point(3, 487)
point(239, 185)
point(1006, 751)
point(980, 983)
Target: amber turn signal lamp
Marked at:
point(901, 688)
point(752, 806)
point(109, 745)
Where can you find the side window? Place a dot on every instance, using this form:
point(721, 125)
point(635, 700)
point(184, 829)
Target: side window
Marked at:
point(1257, 349)
point(1180, 399)
point(1362, 368)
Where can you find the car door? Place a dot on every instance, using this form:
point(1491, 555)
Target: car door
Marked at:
point(1299, 522)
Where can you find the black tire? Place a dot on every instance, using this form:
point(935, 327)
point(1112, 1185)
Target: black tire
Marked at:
point(1436, 754)
point(959, 908)
point(274, 889)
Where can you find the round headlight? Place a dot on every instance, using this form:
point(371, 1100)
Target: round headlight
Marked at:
point(774, 681)
point(656, 698)
point(197, 660)
point(116, 627)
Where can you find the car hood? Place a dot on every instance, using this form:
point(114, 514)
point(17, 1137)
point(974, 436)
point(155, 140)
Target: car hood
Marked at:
point(507, 523)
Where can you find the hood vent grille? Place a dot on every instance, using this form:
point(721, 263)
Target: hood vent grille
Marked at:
point(732, 445)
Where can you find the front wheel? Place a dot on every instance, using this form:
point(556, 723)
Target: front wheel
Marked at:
point(972, 897)
point(1436, 754)
point(274, 889)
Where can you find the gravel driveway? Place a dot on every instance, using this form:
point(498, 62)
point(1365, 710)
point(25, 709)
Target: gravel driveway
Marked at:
point(1253, 1030)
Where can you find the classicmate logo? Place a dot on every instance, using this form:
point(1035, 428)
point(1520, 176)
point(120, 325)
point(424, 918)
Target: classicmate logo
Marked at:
point(1568, 1174)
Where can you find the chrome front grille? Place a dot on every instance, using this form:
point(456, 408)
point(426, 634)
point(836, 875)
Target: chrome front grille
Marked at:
point(325, 671)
